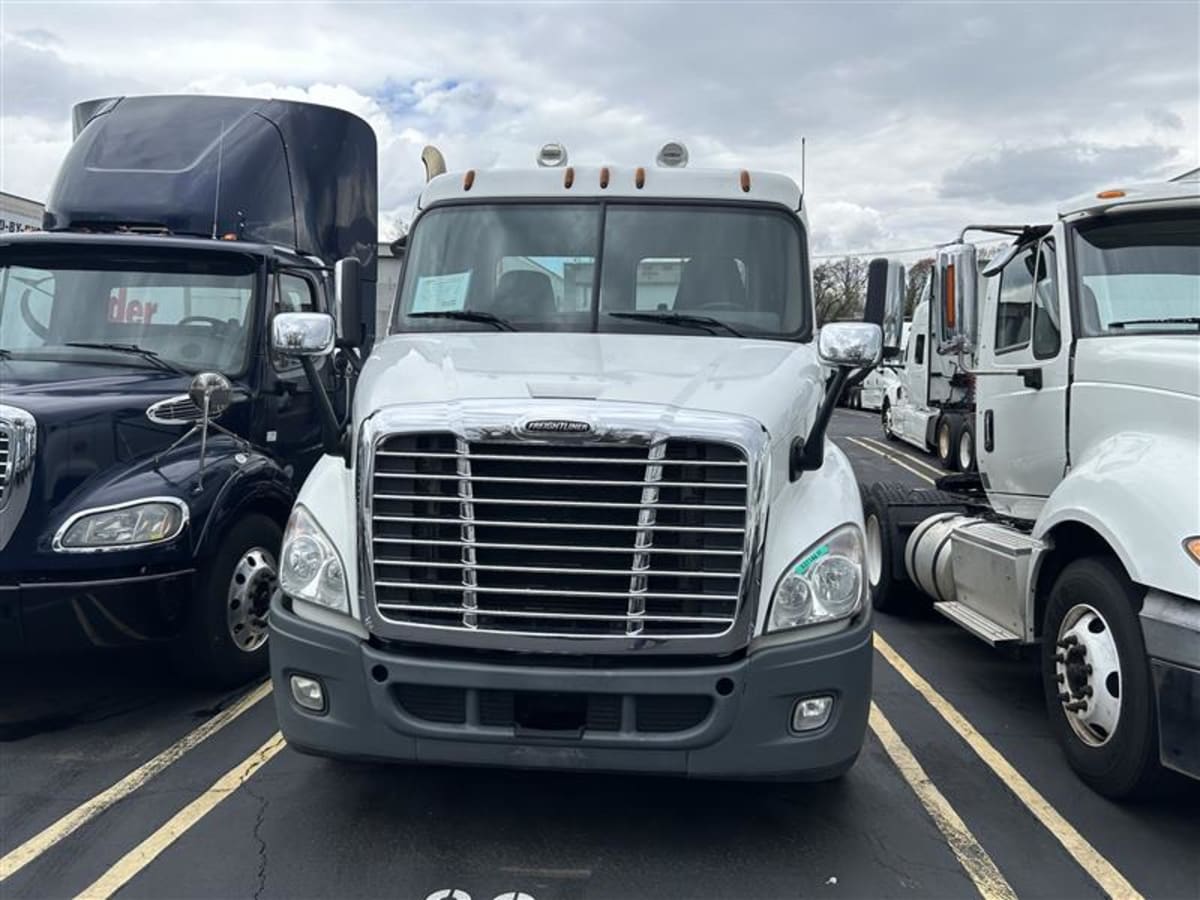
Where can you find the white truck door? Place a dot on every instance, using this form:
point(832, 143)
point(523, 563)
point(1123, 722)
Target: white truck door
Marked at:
point(914, 380)
point(1021, 393)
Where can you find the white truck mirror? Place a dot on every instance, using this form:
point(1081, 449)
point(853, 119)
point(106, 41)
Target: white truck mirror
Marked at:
point(303, 334)
point(955, 300)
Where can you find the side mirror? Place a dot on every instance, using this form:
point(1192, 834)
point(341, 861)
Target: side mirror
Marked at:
point(347, 288)
point(885, 302)
point(303, 334)
point(955, 297)
point(850, 345)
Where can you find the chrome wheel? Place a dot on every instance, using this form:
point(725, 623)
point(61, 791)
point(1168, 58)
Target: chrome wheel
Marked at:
point(874, 551)
point(249, 598)
point(1088, 671)
point(966, 450)
point(943, 441)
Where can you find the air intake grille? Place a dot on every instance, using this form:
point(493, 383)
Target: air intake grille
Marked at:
point(5, 457)
point(559, 540)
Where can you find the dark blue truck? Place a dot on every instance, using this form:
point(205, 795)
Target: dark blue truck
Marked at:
point(150, 442)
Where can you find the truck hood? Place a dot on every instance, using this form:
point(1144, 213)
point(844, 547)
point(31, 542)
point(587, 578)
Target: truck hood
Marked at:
point(1157, 362)
point(777, 383)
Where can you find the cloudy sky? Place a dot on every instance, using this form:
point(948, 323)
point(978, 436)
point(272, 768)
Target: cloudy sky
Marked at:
point(919, 117)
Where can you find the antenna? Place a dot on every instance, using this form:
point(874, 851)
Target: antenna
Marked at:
point(217, 191)
point(802, 166)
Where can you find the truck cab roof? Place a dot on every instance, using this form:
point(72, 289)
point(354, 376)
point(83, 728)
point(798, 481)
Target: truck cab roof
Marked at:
point(1144, 194)
point(589, 183)
point(39, 239)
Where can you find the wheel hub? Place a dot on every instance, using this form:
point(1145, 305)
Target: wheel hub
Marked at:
point(249, 598)
point(874, 551)
point(1088, 674)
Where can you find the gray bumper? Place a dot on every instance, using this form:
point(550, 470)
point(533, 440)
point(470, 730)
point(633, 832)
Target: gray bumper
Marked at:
point(745, 733)
point(1171, 626)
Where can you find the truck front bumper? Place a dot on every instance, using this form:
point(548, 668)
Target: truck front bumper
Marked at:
point(1171, 626)
point(726, 720)
point(53, 613)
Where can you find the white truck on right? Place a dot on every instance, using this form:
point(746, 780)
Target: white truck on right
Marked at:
point(1081, 530)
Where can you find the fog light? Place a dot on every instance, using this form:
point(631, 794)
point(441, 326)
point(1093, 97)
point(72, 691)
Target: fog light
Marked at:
point(308, 693)
point(811, 713)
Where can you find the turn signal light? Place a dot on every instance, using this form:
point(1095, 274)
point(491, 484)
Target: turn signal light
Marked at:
point(1192, 546)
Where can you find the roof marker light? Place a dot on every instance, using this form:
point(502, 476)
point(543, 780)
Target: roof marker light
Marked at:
point(745, 181)
point(569, 177)
point(673, 155)
point(1110, 195)
point(604, 178)
point(552, 156)
point(639, 178)
point(469, 180)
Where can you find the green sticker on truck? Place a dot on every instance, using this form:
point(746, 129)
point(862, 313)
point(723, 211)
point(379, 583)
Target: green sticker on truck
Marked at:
point(805, 564)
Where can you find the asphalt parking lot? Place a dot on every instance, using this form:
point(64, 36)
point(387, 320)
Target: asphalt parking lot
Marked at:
point(114, 779)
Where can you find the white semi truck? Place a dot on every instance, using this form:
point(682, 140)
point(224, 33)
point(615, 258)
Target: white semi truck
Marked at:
point(1081, 531)
point(585, 514)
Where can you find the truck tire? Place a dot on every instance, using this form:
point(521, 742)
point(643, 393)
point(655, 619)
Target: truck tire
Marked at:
point(225, 642)
point(943, 442)
point(891, 591)
point(1102, 711)
point(885, 419)
point(965, 447)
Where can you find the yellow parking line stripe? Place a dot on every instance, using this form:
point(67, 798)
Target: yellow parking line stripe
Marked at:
point(1100, 870)
point(89, 809)
point(891, 457)
point(937, 471)
point(148, 850)
point(971, 856)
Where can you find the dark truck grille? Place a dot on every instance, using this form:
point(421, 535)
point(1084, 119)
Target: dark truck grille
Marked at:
point(559, 540)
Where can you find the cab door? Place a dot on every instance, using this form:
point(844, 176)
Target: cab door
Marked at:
point(1021, 388)
point(292, 425)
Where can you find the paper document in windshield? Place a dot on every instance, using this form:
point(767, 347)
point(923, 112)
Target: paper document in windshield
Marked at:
point(441, 293)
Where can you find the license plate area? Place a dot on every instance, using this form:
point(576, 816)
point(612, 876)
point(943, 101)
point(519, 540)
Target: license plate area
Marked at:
point(546, 714)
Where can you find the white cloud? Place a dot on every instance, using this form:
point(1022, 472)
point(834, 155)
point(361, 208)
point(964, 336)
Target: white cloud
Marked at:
point(904, 108)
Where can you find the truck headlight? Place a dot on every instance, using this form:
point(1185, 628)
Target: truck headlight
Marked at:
point(309, 565)
point(125, 526)
point(823, 584)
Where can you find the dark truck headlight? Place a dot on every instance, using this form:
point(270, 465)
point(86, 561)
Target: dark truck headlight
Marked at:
point(124, 526)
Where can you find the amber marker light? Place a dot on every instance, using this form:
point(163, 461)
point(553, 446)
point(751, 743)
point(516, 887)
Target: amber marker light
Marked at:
point(1192, 546)
point(1110, 195)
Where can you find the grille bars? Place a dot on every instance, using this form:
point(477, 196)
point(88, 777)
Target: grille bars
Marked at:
point(466, 512)
point(639, 581)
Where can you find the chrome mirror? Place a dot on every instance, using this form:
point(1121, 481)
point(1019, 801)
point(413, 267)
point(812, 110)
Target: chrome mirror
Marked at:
point(955, 300)
point(303, 334)
point(850, 344)
point(211, 392)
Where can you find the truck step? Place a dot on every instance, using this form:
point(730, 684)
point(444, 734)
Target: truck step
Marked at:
point(980, 626)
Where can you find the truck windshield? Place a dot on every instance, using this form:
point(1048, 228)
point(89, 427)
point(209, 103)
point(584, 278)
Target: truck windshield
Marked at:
point(707, 270)
point(191, 313)
point(1139, 274)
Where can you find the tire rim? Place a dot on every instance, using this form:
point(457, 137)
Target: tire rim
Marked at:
point(1087, 670)
point(966, 450)
point(874, 551)
point(249, 598)
point(944, 441)
point(887, 420)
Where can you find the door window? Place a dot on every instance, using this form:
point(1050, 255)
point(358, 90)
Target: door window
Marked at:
point(920, 356)
point(1047, 331)
point(293, 294)
point(1014, 312)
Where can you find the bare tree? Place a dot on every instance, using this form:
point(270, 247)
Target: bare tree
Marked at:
point(840, 286)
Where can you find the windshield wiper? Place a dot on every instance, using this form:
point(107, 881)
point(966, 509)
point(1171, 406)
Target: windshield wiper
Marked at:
point(708, 323)
point(465, 315)
point(144, 353)
point(1178, 320)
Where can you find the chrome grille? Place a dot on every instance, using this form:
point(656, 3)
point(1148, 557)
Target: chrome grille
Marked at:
point(5, 456)
point(555, 539)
